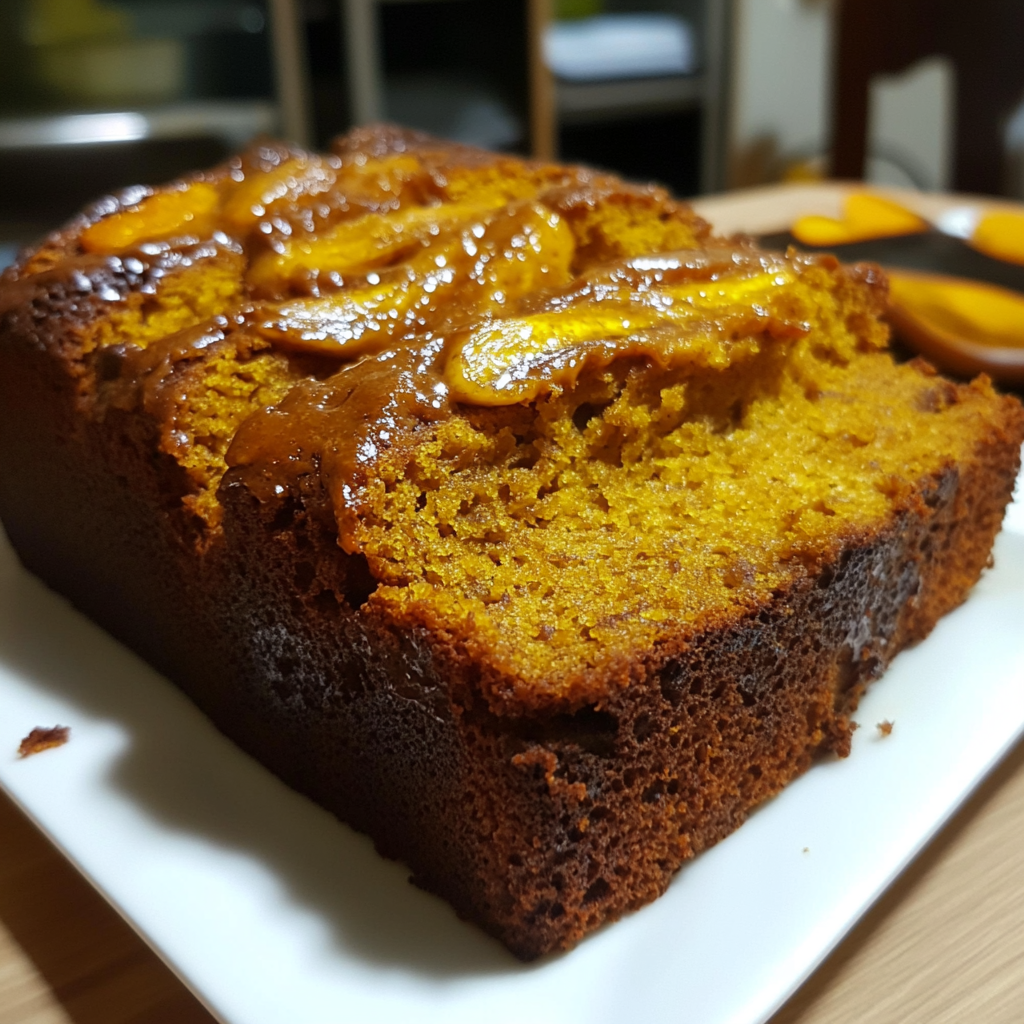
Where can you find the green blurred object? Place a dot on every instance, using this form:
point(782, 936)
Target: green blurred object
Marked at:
point(118, 72)
point(86, 52)
point(56, 22)
point(567, 10)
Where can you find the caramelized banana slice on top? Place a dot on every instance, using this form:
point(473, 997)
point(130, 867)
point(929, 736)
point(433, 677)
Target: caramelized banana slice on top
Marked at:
point(190, 210)
point(479, 272)
point(623, 314)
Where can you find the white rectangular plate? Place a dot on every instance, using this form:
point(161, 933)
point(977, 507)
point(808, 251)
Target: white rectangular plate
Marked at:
point(272, 911)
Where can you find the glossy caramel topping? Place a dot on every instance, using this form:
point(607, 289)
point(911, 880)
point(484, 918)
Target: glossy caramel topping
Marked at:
point(341, 427)
point(487, 264)
point(375, 240)
point(256, 197)
point(190, 210)
point(646, 308)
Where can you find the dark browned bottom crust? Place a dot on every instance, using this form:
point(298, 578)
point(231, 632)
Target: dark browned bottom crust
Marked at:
point(539, 828)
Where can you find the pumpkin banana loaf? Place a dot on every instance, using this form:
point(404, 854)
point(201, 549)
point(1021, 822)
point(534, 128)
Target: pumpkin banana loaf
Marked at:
point(496, 505)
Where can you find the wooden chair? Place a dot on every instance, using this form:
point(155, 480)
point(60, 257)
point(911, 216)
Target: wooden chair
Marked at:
point(985, 41)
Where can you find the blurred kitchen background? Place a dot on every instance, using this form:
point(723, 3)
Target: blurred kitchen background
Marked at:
point(701, 95)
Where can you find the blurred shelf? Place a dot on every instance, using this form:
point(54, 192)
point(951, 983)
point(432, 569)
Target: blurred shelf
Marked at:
point(466, 70)
point(582, 102)
point(668, 126)
point(232, 121)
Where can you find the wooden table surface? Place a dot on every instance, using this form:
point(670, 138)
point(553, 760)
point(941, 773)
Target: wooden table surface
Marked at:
point(945, 944)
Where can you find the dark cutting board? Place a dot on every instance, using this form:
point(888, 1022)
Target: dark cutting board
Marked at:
point(930, 251)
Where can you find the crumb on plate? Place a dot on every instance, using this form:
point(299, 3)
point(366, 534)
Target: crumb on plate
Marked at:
point(40, 739)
